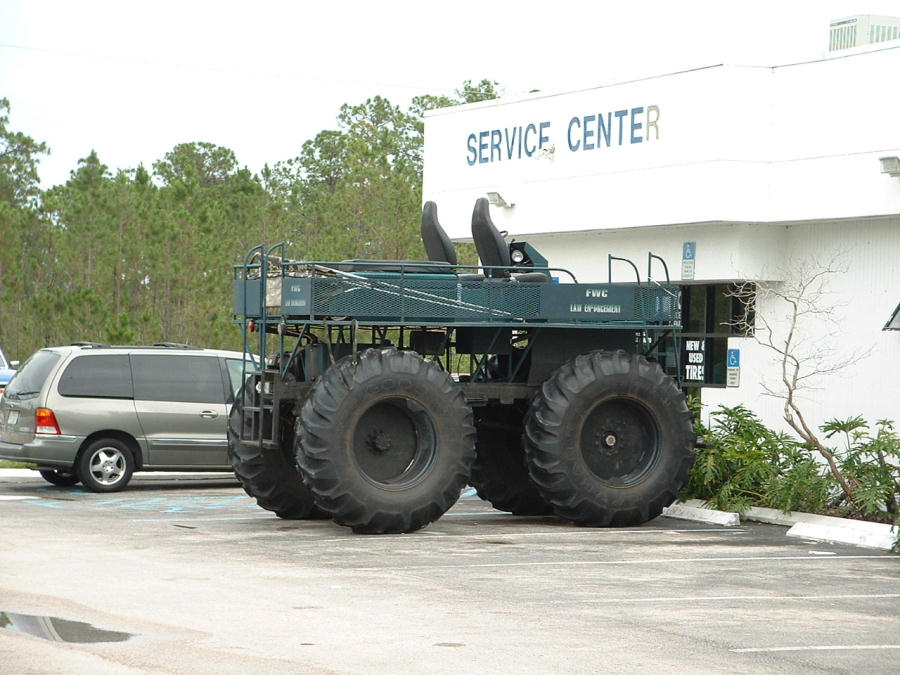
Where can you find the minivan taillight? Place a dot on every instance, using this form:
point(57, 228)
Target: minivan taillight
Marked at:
point(45, 422)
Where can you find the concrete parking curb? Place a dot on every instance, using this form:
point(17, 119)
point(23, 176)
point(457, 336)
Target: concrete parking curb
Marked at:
point(805, 525)
point(698, 510)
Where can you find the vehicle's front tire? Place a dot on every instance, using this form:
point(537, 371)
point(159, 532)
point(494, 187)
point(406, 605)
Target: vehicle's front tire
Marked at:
point(60, 477)
point(387, 441)
point(609, 439)
point(106, 465)
point(269, 475)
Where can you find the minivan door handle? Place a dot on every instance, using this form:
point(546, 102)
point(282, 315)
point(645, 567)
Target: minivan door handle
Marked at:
point(209, 414)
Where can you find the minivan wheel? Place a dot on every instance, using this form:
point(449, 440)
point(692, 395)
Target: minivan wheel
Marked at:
point(59, 477)
point(106, 465)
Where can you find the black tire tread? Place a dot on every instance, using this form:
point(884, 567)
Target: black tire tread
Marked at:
point(334, 479)
point(575, 496)
point(270, 476)
point(499, 473)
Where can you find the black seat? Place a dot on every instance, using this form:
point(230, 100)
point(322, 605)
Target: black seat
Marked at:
point(438, 246)
point(493, 249)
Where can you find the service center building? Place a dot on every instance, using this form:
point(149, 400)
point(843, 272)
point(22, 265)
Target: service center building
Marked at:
point(735, 176)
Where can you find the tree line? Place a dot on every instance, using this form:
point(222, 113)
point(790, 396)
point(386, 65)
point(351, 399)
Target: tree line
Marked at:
point(137, 255)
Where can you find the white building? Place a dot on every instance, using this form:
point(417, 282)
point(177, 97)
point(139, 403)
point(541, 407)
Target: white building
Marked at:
point(731, 174)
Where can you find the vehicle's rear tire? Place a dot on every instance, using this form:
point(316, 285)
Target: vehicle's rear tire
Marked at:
point(269, 475)
point(106, 465)
point(609, 439)
point(60, 477)
point(387, 441)
point(499, 473)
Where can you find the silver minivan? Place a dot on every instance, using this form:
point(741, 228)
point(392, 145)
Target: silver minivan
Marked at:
point(95, 413)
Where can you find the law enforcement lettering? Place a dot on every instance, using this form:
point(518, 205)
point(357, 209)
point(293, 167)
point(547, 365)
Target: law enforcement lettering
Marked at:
point(595, 309)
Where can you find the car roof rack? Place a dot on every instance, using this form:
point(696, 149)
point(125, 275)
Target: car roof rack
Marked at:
point(174, 345)
point(93, 345)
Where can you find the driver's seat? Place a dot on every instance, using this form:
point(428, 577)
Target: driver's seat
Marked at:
point(493, 249)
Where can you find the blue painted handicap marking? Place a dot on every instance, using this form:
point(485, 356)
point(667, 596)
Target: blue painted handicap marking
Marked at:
point(734, 358)
point(155, 504)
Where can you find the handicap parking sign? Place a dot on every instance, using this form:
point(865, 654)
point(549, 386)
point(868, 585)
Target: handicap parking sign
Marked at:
point(734, 358)
point(689, 250)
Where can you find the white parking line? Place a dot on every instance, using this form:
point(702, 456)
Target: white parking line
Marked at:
point(813, 648)
point(754, 598)
point(391, 540)
point(636, 561)
point(193, 518)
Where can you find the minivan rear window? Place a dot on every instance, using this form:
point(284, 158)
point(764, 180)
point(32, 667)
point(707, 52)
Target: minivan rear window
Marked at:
point(29, 379)
point(170, 377)
point(97, 376)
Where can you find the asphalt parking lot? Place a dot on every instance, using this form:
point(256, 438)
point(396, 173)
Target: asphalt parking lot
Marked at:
point(188, 575)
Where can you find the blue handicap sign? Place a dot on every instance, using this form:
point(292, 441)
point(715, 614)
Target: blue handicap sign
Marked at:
point(734, 358)
point(688, 250)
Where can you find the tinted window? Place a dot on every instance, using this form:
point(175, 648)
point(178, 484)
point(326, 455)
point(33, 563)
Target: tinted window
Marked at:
point(235, 369)
point(29, 379)
point(192, 379)
point(97, 376)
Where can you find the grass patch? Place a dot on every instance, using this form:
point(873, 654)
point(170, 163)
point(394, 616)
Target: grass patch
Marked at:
point(6, 464)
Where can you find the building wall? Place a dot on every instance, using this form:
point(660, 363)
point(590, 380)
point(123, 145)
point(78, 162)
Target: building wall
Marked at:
point(730, 144)
point(859, 299)
point(764, 170)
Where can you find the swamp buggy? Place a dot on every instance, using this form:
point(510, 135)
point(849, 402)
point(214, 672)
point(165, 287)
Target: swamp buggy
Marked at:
point(394, 384)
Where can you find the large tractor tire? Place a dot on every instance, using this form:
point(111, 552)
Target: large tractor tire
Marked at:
point(499, 474)
point(387, 441)
point(609, 440)
point(269, 475)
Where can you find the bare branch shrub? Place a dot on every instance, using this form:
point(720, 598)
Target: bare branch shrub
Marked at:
point(798, 325)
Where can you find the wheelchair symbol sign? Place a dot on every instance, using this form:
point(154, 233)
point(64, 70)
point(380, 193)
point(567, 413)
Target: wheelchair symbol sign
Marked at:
point(734, 358)
point(689, 250)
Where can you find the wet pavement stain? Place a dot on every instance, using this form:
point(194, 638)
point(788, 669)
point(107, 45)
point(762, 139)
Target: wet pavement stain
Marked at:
point(59, 630)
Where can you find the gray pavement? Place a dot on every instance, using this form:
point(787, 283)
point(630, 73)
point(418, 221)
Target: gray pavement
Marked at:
point(199, 579)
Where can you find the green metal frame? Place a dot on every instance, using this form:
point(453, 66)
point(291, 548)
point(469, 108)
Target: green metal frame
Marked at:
point(349, 305)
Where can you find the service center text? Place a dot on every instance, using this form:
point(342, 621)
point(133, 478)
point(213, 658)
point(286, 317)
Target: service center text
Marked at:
point(626, 126)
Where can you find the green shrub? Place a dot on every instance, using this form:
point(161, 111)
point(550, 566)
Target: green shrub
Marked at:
point(742, 463)
point(871, 464)
point(739, 458)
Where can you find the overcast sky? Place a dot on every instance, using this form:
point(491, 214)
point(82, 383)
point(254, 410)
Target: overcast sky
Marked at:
point(133, 79)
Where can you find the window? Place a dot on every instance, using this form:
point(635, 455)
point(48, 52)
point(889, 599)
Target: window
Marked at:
point(716, 309)
point(235, 370)
point(97, 376)
point(29, 379)
point(191, 379)
point(711, 313)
